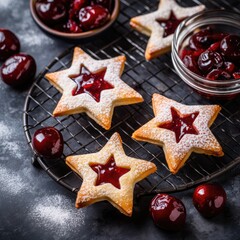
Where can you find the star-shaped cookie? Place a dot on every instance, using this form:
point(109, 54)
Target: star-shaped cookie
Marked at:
point(109, 175)
point(92, 86)
point(180, 130)
point(161, 24)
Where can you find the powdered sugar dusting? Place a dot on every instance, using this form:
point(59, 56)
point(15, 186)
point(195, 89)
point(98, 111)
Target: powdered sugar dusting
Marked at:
point(31, 36)
point(177, 153)
point(7, 144)
point(56, 212)
point(148, 25)
point(101, 111)
point(11, 182)
point(6, 3)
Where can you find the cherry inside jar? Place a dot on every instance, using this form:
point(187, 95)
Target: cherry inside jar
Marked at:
point(74, 16)
point(213, 55)
point(205, 54)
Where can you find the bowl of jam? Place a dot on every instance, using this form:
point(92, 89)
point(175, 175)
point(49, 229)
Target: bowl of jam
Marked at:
point(206, 53)
point(74, 19)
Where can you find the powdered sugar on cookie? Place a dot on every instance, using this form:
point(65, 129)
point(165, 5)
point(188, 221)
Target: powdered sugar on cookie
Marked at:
point(178, 152)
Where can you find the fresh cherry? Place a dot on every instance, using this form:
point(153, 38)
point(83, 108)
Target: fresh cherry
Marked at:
point(93, 17)
point(18, 70)
point(9, 44)
point(168, 212)
point(51, 11)
point(209, 199)
point(230, 47)
point(48, 142)
point(209, 60)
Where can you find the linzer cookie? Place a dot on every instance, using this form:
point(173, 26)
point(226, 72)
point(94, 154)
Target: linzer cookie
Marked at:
point(180, 130)
point(161, 24)
point(92, 86)
point(109, 175)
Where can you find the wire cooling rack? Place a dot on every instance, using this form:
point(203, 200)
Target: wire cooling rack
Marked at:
point(82, 135)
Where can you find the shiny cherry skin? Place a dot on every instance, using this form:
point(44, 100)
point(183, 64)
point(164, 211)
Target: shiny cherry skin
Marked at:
point(168, 212)
point(18, 70)
point(92, 17)
point(9, 44)
point(51, 11)
point(209, 199)
point(230, 47)
point(48, 142)
point(209, 60)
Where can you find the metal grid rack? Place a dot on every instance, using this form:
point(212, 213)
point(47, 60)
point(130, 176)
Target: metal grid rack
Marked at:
point(82, 135)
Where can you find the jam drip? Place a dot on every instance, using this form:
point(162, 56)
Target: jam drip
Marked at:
point(109, 173)
point(90, 83)
point(170, 24)
point(181, 125)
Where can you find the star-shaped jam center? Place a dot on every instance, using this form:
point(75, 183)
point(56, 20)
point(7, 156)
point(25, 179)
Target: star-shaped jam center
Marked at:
point(169, 25)
point(90, 83)
point(181, 124)
point(109, 173)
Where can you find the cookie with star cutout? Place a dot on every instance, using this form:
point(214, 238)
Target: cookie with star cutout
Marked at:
point(161, 24)
point(92, 86)
point(180, 130)
point(109, 175)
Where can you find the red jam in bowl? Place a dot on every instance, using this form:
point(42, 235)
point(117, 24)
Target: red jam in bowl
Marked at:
point(74, 16)
point(213, 55)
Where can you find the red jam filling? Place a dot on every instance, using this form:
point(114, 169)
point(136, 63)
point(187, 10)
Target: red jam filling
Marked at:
point(109, 173)
point(181, 124)
point(90, 83)
point(74, 16)
point(213, 55)
point(170, 24)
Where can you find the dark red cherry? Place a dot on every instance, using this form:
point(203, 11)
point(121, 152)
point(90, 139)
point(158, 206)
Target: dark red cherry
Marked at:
point(18, 70)
point(200, 39)
point(9, 44)
point(209, 60)
point(230, 47)
point(236, 75)
point(229, 67)
point(48, 142)
point(92, 17)
point(209, 199)
point(218, 74)
point(78, 4)
point(73, 26)
point(51, 11)
point(168, 212)
point(191, 63)
point(214, 47)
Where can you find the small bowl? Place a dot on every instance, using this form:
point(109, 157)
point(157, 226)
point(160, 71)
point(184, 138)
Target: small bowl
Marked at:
point(222, 20)
point(82, 35)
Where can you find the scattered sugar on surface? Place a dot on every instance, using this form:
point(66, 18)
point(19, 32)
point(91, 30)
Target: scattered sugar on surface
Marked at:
point(6, 3)
point(11, 182)
point(31, 35)
point(57, 213)
point(7, 145)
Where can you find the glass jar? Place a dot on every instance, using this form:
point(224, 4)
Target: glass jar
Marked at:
point(222, 21)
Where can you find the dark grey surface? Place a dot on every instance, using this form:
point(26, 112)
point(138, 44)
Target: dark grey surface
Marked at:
point(33, 206)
